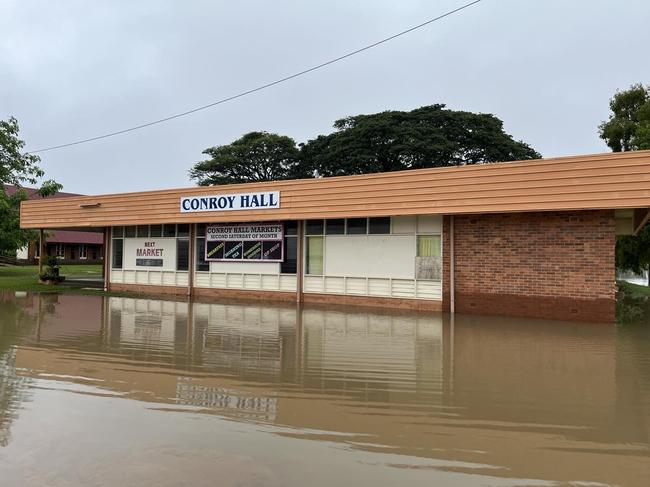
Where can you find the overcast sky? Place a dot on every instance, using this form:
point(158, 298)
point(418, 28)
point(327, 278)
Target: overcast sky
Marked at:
point(76, 69)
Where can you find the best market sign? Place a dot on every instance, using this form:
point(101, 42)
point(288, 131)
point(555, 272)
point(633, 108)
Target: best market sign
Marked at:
point(265, 200)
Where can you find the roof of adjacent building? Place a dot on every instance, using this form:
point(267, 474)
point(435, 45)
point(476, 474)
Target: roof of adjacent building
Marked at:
point(599, 181)
point(59, 236)
point(32, 193)
point(72, 237)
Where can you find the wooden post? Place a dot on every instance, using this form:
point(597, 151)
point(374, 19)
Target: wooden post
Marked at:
point(41, 248)
point(452, 270)
point(300, 258)
point(192, 264)
point(106, 268)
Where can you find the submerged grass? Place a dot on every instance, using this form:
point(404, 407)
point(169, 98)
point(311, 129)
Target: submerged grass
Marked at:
point(632, 304)
point(633, 290)
point(25, 278)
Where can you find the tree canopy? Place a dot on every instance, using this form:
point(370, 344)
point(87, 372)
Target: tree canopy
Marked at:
point(430, 136)
point(257, 156)
point(633, 251)
point(628, 127)
point(16, 168)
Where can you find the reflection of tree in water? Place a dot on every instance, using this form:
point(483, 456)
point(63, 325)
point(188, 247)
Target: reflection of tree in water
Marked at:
point(15, 322)
point(13, 392)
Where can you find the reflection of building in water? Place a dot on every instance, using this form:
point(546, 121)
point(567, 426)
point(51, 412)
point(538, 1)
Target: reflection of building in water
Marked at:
point(244, 406)
point(374, 355)
point(143, 321)
point(244, 339)
point(541, 399)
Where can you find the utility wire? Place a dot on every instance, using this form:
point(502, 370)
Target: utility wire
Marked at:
point(258, 88)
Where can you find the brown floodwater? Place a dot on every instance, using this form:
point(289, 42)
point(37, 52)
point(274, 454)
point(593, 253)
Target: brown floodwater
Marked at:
point(133, 392)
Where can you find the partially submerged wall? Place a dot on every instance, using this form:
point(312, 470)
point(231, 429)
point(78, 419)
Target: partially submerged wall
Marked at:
point(557, 265)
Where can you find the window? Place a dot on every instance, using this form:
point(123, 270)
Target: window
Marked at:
point(169, 230)
point(357, 226)
point(182, 254)
point(315, 255)
point(335, 227)
point(155, 231)
point(83, 252)
point(143, 231)
point(291, 228)
point(118, 232)
point(428, 246)
point(379, 225)
point(60, 251)
point(183, 230)
point(290, 264)
point(37, 250)
point(428, 263)
point(314, 227)
point(129, 232)
point(118, 252)
point(201, 265)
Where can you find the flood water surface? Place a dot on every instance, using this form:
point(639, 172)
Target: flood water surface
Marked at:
point(131, 392)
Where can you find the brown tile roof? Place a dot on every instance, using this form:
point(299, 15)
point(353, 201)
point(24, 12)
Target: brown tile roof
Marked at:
point(32, 193)
point(68, 236)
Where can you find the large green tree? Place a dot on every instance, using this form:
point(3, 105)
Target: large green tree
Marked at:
point(628, 127)
point(430, 136)
point(256, 156)
point(633, 251)
point(16, 169)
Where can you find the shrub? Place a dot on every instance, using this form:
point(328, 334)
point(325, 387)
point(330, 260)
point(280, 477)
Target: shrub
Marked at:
point(52, 270)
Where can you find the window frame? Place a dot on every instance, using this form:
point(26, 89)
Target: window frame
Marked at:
point(113, 254)
point(61, 254)
point(390, 225)
point(183, 240)
point(306, 256)
point(417, 256)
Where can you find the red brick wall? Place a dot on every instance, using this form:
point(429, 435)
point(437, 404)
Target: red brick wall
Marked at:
point(547, 265)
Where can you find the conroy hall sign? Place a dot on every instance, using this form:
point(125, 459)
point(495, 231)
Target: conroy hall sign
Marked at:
point(265, 200)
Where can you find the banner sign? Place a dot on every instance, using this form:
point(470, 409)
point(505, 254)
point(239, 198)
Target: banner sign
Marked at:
point(265, 200)
point(248, 242)
point(158, 253)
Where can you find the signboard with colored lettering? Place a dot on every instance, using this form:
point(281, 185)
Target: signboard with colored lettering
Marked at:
point(150, 253)
point(248, 242)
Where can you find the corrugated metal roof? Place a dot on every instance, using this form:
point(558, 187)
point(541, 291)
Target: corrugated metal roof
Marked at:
point(610, 180)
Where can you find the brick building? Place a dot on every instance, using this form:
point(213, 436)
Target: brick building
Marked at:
point(527, 238)
point(71, 247)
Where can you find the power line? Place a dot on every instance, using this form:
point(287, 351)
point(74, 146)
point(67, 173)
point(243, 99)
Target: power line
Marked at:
point(261, 87)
